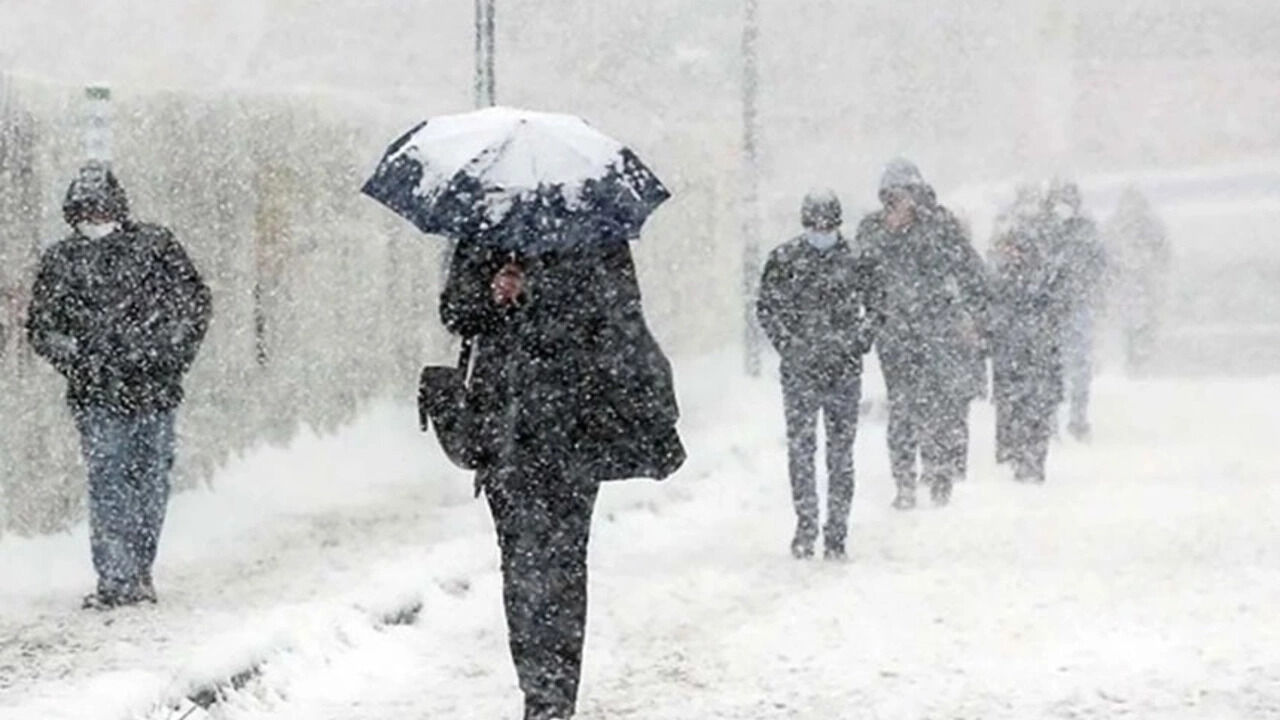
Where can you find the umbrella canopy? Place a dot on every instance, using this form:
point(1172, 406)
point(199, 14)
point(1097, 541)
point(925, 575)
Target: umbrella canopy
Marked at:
point(524, 181)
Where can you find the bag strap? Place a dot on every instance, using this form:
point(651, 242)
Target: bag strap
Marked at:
point(467, 359)
point(464, 355)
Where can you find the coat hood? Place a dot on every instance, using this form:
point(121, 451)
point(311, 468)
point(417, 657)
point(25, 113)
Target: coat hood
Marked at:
point(95, 191)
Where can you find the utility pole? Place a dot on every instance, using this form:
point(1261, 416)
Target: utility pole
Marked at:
point(97, 127)
point(485, 87)
point(751, 185)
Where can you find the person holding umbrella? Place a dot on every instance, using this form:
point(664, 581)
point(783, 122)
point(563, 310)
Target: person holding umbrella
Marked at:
point(570, 386)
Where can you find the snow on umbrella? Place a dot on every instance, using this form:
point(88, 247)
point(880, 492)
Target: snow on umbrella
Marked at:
point(525, 181)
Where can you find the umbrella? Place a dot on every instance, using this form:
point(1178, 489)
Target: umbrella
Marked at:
point(523, 181)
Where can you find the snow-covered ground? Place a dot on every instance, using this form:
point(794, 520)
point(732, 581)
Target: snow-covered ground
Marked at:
point(1141, 582)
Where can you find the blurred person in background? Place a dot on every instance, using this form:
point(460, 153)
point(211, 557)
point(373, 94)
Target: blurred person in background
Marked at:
point(1030, 306)
point(120, 311)
point(933, 335)
point(1141, 259)
point(818, 304)
point(1076, 248)
point(1025, 214)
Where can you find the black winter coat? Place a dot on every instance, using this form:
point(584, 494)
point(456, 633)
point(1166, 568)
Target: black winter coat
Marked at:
point(819, 308)
point(121, 317)
point(1077, 250)
point(936, 303)
point(571, 378)
point(1031, 302)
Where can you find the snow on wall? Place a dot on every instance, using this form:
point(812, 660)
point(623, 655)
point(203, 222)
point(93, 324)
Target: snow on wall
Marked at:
point(318, 297)
point(323, 300)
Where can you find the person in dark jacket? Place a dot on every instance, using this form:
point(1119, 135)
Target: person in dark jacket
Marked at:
point(934, 332)
point(573, 390)
point(1076, 249)
point(1031, 304)
point(120, 311)
point(819, 306)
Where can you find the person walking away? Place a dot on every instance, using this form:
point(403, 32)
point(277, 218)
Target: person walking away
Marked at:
point(573, 390)
point(1026, 213)
point(1030, 306)
point(934, 331)
point(120, 311)
point(1076, 248)
point(1140, 247)
point(818, 304)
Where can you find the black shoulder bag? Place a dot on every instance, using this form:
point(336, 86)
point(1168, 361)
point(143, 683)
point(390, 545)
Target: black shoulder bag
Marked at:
point(445, 401)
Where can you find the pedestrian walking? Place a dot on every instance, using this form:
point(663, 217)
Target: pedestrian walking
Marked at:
point(1138, 245)
point(119, 310)
point(819, 305)
point(933, 336)
point(1076, 249)
point(1030, 306)
point(567, 387)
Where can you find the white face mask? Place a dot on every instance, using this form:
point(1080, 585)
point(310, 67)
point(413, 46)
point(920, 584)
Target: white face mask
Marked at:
point(96, 231)
point(822, 240)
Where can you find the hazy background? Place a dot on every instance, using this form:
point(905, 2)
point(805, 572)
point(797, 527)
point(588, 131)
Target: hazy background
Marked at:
point(248, 125)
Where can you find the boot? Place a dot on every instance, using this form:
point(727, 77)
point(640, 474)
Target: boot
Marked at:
point(940, 490)
point(833, 542)
point(802, 542)
point(147, 590)
point(1079, 430)
point(906, 498)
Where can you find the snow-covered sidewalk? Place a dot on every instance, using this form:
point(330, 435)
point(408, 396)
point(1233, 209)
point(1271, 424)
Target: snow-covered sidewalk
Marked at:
point(1139, 582)
point(280, 530)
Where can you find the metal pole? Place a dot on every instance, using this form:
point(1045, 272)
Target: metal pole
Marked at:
point(97, 131)
point(751, 186)
point(485, 85)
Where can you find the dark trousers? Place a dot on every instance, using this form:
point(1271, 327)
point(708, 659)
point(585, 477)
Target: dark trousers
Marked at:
point(128, 456)
point(836, 397)
point(1078, 365)
point(1029, 426)
point(1004, 415)
point(930, 427)
point(543, 522)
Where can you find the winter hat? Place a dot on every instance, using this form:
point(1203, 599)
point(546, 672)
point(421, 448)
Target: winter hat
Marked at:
point(95, 191)
point(821, 208)
point(1065, 191)
point(901, 173)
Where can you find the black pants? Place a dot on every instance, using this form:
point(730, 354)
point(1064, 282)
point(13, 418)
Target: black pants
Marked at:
point(837, 397)
point(1029, 425)
point(543, 522)
point(930, 427)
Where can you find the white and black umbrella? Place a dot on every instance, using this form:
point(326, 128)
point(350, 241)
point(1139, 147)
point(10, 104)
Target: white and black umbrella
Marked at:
point(525, 181)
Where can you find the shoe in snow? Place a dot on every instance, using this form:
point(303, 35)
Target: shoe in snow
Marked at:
point(834, 552)
point(146, 591)
point(1080, 431)
point(906, 499)
point(801, 548)
point(940, 491)
point(101, 600)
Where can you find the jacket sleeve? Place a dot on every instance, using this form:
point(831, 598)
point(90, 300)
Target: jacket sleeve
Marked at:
point(771, 304)
point(48, 328)
point(971, 275)
point(874, 298)
point(188, 308)
point(466, 308)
